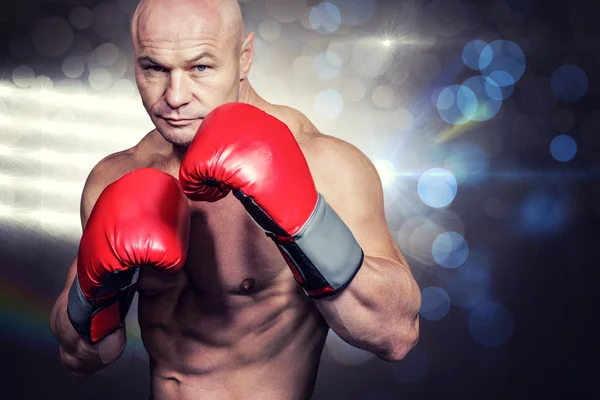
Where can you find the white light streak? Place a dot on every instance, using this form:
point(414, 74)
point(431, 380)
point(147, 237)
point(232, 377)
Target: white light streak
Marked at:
point(52, 222)
point(63, 188)
point(89, 132)
point(386, 170)
point(113, 105)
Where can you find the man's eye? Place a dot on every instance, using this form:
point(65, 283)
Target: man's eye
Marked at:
point(201, 68)
point(155, 68)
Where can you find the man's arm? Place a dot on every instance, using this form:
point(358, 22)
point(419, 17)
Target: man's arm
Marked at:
point(378, 310)
point(81, 357)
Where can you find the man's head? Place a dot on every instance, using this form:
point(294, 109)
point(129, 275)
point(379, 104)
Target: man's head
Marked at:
point(190, 57)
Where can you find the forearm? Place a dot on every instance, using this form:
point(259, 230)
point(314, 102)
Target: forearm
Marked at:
point(378, 311)
point(81, 357)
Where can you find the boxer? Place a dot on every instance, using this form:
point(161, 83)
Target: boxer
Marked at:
point(246, 233)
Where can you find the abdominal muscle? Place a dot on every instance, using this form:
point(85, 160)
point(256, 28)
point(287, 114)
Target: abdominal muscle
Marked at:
point(233, 324)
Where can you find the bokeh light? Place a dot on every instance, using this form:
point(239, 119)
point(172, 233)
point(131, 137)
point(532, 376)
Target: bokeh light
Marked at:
point(435, 303)
point(420, 240)
point(437, 187)
point(23, 76)
point(448, 220)
point(73, 66)
point(353, 90)
point(569, 83)
point(563, 148)
point(327, 65)
point(325, 18)
point(100, 79)
point(470, 284)
point(329, 104)
point(471, 53)
point(81, 18)
point(42, 83)
point(491, 324)
point(467, 162)
point(457, 104)
point(106, 54)
point(545, 211)
point(488, 99)
point(270, 30)
point(450, 250)
point(503, 61)
point(356, 12)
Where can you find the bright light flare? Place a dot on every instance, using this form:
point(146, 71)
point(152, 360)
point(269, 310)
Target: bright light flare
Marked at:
point(67, 220)
point(6, 211)
point(65, 189)
point(113, 104)
point(53, 222)
point(386, 170)
point(80, 161)
point(112, 135)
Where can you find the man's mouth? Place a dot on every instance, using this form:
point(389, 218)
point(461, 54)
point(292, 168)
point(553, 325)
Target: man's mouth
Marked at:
point(179, 121)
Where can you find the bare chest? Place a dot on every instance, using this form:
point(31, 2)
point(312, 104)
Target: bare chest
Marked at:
point(228, 255)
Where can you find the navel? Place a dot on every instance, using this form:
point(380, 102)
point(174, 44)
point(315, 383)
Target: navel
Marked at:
point(247, 284)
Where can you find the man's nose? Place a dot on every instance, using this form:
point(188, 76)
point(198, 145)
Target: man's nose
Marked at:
point(178, 93)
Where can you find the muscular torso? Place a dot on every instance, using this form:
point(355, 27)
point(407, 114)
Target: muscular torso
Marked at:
point(233, 324)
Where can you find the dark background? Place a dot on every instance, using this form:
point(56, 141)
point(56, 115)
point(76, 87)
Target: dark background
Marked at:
point(518, 318)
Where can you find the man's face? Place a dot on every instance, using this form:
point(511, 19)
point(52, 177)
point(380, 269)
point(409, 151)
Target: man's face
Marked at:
point(185, 67)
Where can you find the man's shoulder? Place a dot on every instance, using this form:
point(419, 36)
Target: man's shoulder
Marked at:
point(112, 167)
point(105, 172)
point(296, 121)
point(333, 152)
point(115, 165)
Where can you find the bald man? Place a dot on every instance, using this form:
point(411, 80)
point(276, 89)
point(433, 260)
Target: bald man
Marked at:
point(236, 293)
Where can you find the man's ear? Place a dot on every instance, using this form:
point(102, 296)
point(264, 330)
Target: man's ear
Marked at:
point(247, 55)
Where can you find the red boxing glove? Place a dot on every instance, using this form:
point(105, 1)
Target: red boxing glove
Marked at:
point(142, 219)
point(241, 148)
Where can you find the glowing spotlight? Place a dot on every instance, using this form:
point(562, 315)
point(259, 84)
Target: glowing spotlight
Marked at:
point(5, 90)
point(387, 43)
point(5, 150)
point(127, 106)
point(5, 179)
point(5, 211)
point(52, 157)
point(82, 161)
point(386, 171)
point(121, 135)
point(65, 189)
point(70, 220)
